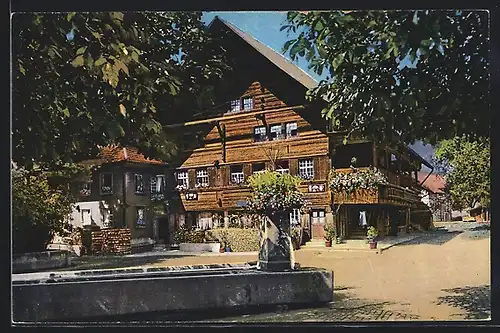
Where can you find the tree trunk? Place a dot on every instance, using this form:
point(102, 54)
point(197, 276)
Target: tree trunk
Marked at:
point(276, 250)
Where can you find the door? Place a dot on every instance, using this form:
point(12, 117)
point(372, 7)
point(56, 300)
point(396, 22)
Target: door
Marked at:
point(318, 224)
point(163, 229)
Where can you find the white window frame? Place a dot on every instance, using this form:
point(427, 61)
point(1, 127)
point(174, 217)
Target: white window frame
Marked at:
point(137, 209)
point(260, 133)
point(82, 215)
point(101, 181)
point(247, 103)
point(139, 178)
point(182, 177)
point(282, 170)
point(202, 179)
point(306, 168)
point(290, 127)
point(157, 184)
point(107, 218)
point(237, 177)
point(235, 105)
point(295, 217)
point(273, 129)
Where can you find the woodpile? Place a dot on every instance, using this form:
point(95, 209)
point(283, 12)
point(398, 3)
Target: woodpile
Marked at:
point(110, 241)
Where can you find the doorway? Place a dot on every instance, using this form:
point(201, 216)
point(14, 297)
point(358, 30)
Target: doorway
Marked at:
point(318, 223)
point(163, 229)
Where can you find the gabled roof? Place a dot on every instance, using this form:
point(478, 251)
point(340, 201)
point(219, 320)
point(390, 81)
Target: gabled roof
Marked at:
point(434, 183)
point(114, 153)
point(277, 59)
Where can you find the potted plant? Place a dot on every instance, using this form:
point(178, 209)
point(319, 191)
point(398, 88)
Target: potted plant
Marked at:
point(339, 239)
point(329, 235)
point(371, 235)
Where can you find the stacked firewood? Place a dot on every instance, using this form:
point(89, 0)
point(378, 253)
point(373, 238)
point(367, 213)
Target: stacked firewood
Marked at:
point(111, 241)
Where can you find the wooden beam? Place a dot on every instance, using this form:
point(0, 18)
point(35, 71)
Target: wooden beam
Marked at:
point(222, 134)
point(232, 117)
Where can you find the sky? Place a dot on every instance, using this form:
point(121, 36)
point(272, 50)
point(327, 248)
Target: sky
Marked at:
point(265, 27)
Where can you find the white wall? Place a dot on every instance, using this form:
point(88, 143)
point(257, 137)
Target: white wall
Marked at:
point(97, 216)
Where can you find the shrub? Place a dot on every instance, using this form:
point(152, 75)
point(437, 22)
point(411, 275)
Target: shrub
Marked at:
point(240, 240)
point(189, 235)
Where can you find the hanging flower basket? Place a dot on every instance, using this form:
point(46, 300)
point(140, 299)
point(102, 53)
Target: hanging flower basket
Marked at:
point(366, 182)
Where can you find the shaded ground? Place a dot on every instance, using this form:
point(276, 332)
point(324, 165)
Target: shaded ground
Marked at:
point(444, 275)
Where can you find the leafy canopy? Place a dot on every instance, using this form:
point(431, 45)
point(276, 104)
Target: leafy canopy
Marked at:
point(371, 90)
point(273, 191)
point(87, 79)
point(468, 171)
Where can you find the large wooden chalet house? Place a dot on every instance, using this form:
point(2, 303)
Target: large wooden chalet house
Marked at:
point(265, 121)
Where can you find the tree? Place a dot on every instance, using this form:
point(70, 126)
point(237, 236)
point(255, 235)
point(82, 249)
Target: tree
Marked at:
point(370, 88)
point(41, 204)
point(87, 79)
point(468, 172)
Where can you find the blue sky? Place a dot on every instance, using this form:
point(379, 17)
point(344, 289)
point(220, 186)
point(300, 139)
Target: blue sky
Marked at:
point(265, 26)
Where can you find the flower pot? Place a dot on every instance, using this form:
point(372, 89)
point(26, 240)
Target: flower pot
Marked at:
point(338, 240)
point(228, 249)
point(221, 250)
point(373, 245)
point(328, 243)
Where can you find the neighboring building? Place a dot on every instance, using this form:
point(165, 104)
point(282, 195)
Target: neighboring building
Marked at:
point(126, 191)
point(433, 195)
point(265, 120)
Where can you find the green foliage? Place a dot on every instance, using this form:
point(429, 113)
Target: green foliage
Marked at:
point(40, 209)
point(189, 235)
point(87, 79)
point(372, 232)
point(369, 179)
point(239, 240)
point(329, 232)
point(445, 93)
point(468, 176)
point(273, 191)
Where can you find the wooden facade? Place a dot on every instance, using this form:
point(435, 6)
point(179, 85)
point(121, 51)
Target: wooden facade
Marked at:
point(228, 146)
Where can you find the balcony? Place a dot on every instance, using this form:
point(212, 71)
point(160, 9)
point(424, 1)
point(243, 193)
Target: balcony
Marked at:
point(392, 193)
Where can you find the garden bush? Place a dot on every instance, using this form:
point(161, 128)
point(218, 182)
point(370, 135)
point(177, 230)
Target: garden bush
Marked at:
point(189, 235)
point(240, 240)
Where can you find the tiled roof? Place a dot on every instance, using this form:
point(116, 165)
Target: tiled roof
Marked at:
point(434, 183)
point(111, 154)
point(277, 59)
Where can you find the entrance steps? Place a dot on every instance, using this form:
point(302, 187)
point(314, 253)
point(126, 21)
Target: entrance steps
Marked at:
point(314, 244)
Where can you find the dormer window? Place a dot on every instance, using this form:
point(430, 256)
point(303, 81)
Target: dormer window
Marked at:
point(276, 132)
point(235, 105)
point(259, 134)
point(291, 130)
point(247, 103)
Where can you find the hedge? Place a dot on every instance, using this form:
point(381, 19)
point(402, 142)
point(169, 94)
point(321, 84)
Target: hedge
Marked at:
point(240, 240)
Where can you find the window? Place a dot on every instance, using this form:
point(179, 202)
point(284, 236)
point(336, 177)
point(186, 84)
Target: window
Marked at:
point(85, 189)
point(291, 130)
point(295, 217)
point(202, 178)
point(318, 217)
point(158, 187)
point(247, 103)
point(182, 179)
point(258, 167)
point(107, 218)
point(140, 220)
point(259, 134)
point(106, 183)
point(86, 216)
point(306, 168)
point(139, 183)
point(158, 184)
point(276, 132)
point(237, 176)
point(282, 167)
point(235, 105)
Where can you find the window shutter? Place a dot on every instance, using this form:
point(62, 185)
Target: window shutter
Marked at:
point(293, 164)
point(191, 177)
point(317, 165)
point(211, 176)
